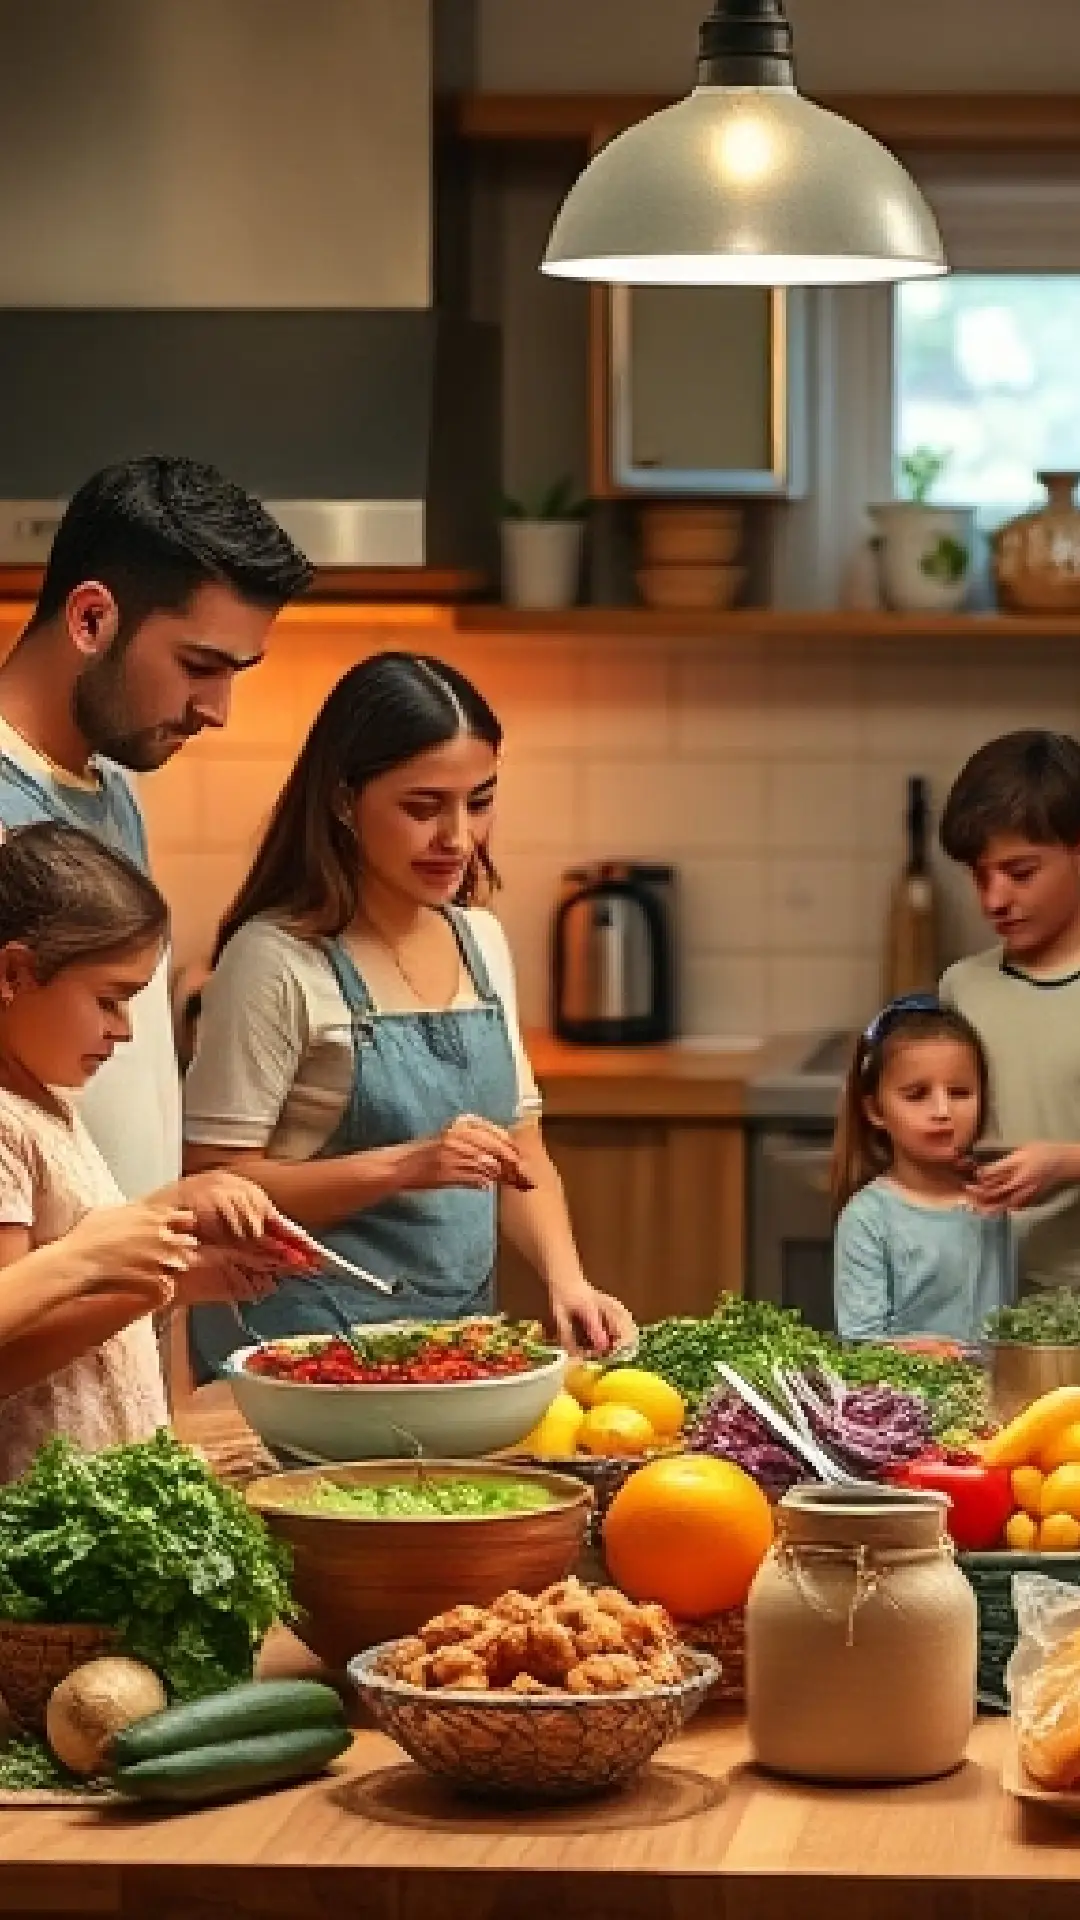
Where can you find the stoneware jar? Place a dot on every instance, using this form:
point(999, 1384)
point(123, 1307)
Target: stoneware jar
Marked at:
point(861, 1640)
point(1037, 555)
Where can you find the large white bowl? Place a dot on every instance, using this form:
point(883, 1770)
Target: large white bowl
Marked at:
point(459, 1419)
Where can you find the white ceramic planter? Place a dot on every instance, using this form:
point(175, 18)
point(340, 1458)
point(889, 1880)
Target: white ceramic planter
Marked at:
point(926, 555)
point(541, 562)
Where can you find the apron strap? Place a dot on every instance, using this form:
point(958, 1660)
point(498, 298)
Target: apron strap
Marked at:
point(354, 992)
point(471, 953)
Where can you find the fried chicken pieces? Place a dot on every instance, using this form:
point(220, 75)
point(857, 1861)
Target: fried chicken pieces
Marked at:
point(569, 1639)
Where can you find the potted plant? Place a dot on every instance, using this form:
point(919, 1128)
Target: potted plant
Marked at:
point(925, 551)
point(542, 546)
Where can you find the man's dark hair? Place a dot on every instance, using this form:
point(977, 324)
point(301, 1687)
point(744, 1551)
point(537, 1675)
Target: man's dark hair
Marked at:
point(1026, 783)
point(155, 530)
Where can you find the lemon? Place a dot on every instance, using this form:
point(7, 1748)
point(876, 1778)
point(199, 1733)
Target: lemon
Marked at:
point(1027, 1485)
point(661, 1406)
point(1021, 1533)
point(1059, 1533)
point(582, 1380)
point(1065, 1446)
point(615, 1430)
point(1061, 1490)
point(555, 1435)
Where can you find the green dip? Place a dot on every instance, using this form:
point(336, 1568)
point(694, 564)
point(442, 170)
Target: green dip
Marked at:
point(417, 1499)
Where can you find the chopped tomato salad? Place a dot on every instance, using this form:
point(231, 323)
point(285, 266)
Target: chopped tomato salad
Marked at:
point(420, 1356)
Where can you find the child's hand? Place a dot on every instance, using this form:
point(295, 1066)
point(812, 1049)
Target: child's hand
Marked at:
point(227, 1209)
point(144, 1246)
point(218, 1277)
point(1020, 1178)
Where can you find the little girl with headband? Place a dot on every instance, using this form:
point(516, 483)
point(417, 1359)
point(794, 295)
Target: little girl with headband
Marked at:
point(914, 1256)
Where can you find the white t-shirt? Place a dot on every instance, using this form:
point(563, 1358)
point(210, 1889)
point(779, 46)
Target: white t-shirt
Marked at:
point(51, 1174)
point(274, 1061)
point(131, 1107)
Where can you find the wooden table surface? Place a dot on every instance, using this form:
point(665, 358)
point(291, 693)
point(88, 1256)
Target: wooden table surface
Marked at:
point(700, 1836)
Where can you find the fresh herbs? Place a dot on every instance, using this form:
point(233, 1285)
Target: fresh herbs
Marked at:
point(142, 1538)
point(1045, 1320)
point(27, 1765)
point(753, 1336)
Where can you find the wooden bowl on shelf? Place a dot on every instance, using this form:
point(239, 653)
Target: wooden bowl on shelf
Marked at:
point(359, 1581)
point(686, 589)
point(694, 536)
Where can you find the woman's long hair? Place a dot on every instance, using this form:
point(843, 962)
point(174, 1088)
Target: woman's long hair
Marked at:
point(389, 708)
point(862, 1151)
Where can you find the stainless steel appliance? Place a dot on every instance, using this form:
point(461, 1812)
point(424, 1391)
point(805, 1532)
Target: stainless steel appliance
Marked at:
point(613, 955)
point(791, 1117)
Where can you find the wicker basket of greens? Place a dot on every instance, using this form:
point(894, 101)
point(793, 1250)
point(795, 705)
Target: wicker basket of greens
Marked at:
point(140, 1550)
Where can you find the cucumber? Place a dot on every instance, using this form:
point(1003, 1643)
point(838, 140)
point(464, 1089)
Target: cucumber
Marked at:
point(259, 1706)
point(200, 1774)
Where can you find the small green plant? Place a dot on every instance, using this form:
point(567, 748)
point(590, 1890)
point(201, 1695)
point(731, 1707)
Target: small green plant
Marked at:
point(560, 501)
point(920, 471)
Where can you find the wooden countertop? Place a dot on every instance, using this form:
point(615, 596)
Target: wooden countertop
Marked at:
point(700, 1836)
point(667, 1082)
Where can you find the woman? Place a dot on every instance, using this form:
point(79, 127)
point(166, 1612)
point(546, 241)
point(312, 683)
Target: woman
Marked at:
point(359, 1055)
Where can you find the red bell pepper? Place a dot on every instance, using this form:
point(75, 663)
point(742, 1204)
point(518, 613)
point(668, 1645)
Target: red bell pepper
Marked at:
point(980, 1496)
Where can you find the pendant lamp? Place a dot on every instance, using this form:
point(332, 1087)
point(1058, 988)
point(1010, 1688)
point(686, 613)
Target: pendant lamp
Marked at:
point(744, 183)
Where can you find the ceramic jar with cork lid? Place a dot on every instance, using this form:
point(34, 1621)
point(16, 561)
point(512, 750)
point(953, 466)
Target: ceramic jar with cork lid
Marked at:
point(861, 1640)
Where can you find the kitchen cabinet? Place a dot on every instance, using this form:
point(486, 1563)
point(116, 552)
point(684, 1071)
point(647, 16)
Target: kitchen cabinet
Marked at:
point(698, 391)
point(658, 1208)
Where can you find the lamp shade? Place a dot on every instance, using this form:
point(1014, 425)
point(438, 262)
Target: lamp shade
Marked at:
point(744, 182)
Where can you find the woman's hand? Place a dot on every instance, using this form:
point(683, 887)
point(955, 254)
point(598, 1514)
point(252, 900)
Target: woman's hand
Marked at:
point(468, 1153)
point(1022, 1177)
point(590, 1322)
point(145, 1247)
point(219, 1278)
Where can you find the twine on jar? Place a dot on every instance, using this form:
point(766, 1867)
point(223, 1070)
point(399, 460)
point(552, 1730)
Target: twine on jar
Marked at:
point(871, 1572)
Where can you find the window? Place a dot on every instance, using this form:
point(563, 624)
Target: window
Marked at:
point(985, 370)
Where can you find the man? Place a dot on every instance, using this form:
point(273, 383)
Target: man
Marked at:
point(161, 586)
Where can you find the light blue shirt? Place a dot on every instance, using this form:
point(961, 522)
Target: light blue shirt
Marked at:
point(900, 1267)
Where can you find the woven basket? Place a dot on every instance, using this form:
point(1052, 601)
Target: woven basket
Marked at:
point(34, 1658)
point(991, 1575)
point(724, 1636)
point(605, 1474)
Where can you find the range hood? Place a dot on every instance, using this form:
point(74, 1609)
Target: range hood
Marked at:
point(225, 249)
point(372, 436)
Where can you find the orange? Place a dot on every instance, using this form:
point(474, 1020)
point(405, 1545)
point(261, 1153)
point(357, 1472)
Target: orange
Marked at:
point(1059, 1533)
point(1027, 1489)
point(1022, 1533)
point(1063, 1447)
point(690, 1532)
point(1061, 1490)
point(615, 1430)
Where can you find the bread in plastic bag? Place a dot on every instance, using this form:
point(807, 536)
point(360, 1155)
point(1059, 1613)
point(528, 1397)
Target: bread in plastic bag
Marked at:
point(1043, 1680)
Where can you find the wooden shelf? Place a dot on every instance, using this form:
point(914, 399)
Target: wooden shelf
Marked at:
point(957, 122)
point(766, 623)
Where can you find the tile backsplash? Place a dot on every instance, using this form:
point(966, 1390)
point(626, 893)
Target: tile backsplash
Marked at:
point(770, 772)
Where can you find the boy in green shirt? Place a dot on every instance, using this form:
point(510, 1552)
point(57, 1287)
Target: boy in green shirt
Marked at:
point(1013, 819)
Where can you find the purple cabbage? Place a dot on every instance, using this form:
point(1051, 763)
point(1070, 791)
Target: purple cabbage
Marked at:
point(866, 1430)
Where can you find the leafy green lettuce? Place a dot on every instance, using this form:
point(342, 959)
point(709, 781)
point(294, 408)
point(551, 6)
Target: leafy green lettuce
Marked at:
point(144, 1539)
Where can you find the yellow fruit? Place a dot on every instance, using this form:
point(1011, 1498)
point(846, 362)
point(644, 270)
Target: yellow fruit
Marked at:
point(1027, 1485)
point(662, 1407)
point(582, 1380)
point(1064, 1447)
point(1021, 1533)
point(1061, 1490)
point(1026, 1437)
point(1059, 1533)
point(615, 1430)
point(555, 1435)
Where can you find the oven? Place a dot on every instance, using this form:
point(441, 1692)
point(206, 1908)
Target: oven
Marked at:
point(791, 1117)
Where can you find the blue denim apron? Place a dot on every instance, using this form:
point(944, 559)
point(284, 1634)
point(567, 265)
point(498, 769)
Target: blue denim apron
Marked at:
point(413, 1073)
